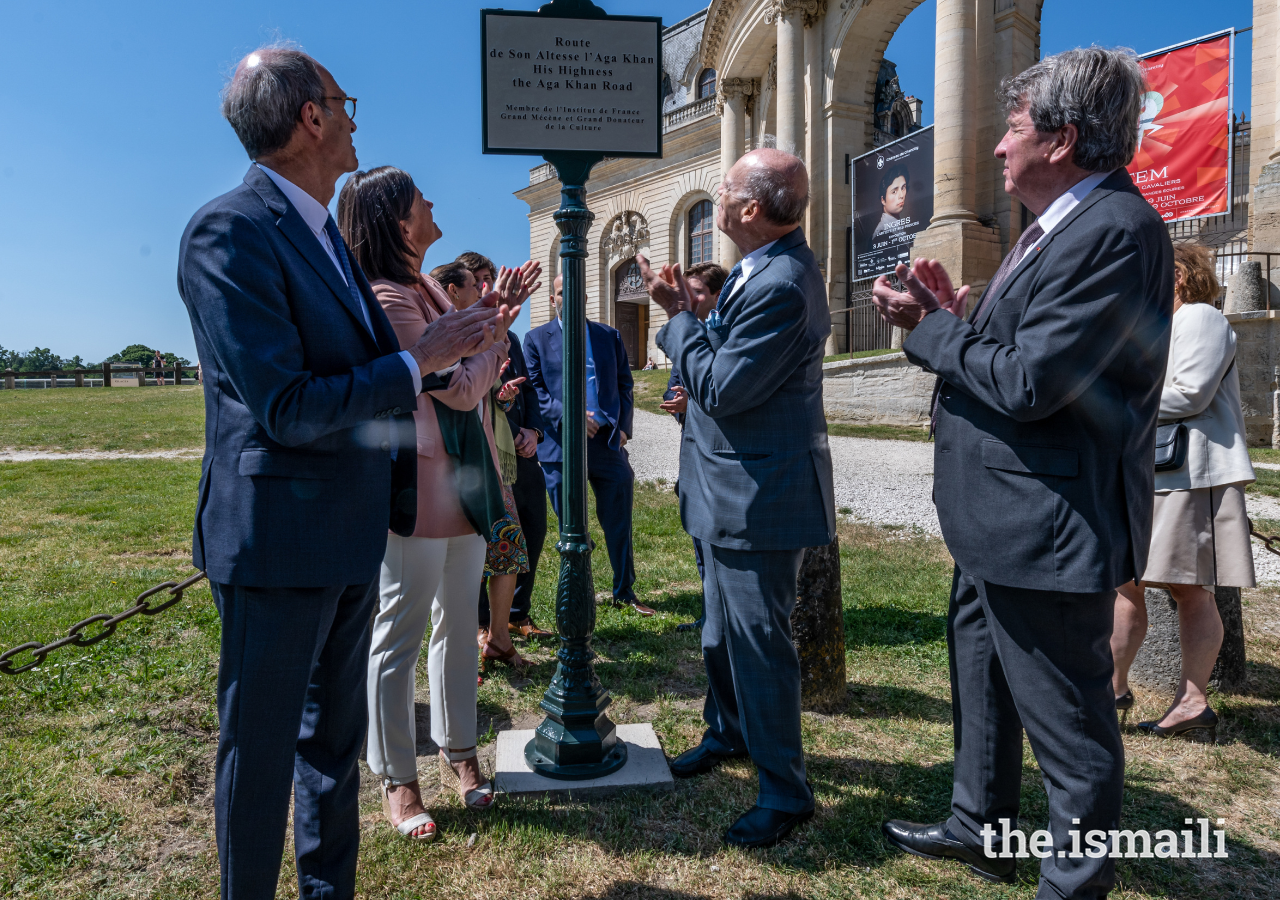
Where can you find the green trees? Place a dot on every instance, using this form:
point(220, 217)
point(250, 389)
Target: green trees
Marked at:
point(42, 359)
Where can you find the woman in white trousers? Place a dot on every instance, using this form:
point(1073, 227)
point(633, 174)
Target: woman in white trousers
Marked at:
point(434, 575)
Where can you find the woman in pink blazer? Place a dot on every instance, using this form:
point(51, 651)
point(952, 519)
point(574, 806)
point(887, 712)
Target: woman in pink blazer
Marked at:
point(434, 575)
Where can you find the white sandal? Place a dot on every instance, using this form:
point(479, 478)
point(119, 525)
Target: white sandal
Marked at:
point(479, 799)
point(411, 824)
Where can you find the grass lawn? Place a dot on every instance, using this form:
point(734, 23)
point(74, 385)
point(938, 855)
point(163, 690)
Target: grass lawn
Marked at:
point(881, 432)
point(106, 752)
point(118, 418)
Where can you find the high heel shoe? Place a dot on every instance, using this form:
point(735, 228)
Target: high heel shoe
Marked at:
point(1124, 703)
point(411, 824)
point(480, 798)
point(1206, 721)
point(491, 654)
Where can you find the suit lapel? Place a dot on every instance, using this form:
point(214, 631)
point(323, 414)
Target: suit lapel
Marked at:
point(1037, 251)
point(786, 242)
point(293, 227)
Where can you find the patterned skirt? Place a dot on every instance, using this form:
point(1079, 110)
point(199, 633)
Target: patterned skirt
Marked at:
point(507, 554)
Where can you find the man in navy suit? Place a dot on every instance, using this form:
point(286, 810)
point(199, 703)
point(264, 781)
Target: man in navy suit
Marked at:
point(609, 416)
point(309, 457)
point(755, 477)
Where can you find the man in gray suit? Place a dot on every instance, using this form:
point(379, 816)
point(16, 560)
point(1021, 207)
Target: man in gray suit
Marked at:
point(755, 477)
point(1045, 416)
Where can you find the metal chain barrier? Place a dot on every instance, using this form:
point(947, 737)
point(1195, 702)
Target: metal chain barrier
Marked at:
point(1269, 542)
point(76, 635)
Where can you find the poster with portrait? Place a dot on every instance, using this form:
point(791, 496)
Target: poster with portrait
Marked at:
point(892, 202)
point(1183, 163)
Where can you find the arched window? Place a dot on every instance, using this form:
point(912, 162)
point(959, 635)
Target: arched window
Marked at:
point(701, 221)
point(707, 84)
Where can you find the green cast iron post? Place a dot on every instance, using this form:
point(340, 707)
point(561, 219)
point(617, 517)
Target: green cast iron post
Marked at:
point(576, 740)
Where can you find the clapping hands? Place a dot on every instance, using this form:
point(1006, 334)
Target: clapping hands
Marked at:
point(666, 286)
point(928, 287)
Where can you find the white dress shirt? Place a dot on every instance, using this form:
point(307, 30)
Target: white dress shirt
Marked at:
point(749, 263)
point(1056, 211)
point(315, 216)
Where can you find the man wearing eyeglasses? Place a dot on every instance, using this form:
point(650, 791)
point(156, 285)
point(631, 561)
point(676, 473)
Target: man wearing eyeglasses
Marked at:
point(309, 458)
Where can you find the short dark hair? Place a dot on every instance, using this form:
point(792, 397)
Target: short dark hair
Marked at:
point(711, 274)
point(454, 273)
point(892, 174)
point(475, 262)
point(263, 100)
point(370, 209)
point(1099, 91)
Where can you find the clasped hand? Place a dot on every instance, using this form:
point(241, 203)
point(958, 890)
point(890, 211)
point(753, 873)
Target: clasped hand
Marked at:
point(928, 287)
point(466, 332)
point(677, 405)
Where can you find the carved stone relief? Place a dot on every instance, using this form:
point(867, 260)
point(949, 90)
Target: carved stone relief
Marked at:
point(626, 234)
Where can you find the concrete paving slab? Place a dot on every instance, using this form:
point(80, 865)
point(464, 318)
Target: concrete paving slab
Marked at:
point(645, 769)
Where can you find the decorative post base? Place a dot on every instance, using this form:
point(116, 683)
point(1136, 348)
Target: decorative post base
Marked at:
point(576, 740)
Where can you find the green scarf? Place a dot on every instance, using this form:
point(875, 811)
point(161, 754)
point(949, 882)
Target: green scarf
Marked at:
point(503, 439)
point(479, 490)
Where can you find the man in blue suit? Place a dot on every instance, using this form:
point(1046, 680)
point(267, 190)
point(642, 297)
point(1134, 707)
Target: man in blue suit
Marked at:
point(609, 417)
point(755, 477)
point(309, 457)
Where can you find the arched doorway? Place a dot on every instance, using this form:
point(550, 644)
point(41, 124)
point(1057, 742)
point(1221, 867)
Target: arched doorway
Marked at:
point(631, 311)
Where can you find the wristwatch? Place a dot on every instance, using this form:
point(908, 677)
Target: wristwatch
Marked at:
point(538, 432)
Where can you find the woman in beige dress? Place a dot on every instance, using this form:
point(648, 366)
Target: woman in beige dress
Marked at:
point(1200, 533)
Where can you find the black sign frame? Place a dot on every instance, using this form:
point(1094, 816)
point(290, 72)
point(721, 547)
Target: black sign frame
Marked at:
point(560, 11)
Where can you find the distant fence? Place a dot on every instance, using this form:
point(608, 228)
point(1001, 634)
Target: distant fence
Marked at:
point(109, 375)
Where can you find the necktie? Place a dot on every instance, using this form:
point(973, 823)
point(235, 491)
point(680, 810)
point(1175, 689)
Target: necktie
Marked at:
point(340, 251)
point(713, 320)
point(1033, 233)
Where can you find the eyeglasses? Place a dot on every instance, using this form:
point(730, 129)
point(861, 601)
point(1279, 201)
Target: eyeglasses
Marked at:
point(348, 104)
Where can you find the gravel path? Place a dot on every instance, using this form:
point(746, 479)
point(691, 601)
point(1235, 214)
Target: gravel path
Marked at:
point(29, 455)
point(881, 482)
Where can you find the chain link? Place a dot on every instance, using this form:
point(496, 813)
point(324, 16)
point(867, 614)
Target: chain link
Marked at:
point(107, 626)
point(1269, 542)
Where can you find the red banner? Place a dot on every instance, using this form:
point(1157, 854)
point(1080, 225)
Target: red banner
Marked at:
point(1183, 159)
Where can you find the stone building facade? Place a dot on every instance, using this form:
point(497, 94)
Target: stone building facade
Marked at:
point(810, 77)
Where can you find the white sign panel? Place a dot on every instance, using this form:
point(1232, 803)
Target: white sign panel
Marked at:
point(572, 84)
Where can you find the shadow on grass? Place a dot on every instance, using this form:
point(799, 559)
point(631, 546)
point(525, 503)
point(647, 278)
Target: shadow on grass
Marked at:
point(637, 890)
point(855, 796)
point(890, 626)
point(880, 701)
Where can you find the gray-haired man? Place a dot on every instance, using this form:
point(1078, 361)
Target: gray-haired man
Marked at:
point(1046, 416)
point(307, 462)
point(755, 477)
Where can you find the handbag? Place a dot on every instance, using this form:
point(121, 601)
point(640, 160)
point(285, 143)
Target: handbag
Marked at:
point(1173, 439)
point(1171, 446)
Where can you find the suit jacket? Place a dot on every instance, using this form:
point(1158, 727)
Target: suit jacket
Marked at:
point(544, 353)
point(302, 402)
point(1046, 424)
point(755, 468)
point(410, 310)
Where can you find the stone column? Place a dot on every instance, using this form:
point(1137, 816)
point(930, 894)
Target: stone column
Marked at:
point(1264, 219)
point(731, 104)
point(815, 151)
point(789, 15)
point(969, 250)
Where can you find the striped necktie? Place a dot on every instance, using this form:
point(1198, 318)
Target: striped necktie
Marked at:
point(340, 251)
point(713, 320)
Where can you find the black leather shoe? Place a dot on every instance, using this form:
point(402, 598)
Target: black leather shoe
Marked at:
point(760, 827)
point(936, 842)
point(698, 761)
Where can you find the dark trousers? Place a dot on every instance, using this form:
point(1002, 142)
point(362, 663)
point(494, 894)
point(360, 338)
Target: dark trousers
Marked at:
point(702, 576)
point(1038, 661)
point(292, 716)
point(530, 493)
point(753, 671)
point(613, 483)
